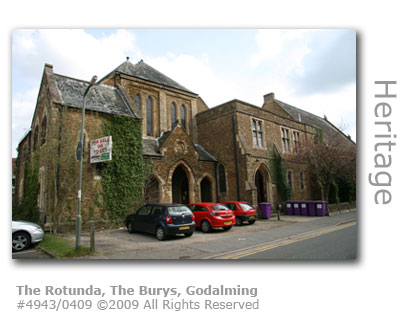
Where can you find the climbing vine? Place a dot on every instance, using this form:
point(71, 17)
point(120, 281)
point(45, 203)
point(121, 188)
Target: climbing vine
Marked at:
point(27, 208)
point(123, 178)
point(278, 170)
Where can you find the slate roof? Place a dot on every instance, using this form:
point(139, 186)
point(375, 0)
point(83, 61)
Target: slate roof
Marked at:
point(203, 154)
point(163, 138)
point(303, 116)
point(101, 98)
point(144, 71)
point(151, 147)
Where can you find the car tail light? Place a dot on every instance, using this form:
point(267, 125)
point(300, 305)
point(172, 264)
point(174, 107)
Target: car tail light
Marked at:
point(169, 219)
point(193, 217)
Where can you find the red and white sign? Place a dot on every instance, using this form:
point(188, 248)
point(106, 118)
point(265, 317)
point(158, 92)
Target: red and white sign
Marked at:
point(101, 149)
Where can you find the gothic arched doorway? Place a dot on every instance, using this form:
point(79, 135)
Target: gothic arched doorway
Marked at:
point(180, 186)
point(205, 190)
point(260, 182)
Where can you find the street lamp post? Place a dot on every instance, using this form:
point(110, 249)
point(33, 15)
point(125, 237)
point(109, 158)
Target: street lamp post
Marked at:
point(80, 154)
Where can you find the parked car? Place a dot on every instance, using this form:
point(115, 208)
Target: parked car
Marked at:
point(243, 212)
point(162, 220)
point(24, 234)
point(212, 215)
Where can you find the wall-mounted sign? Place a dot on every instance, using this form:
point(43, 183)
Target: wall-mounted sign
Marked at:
point(101, 149)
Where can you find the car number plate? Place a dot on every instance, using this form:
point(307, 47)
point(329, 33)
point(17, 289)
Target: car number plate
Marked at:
point(227, 222)
point(184, 228)
point(251, 217)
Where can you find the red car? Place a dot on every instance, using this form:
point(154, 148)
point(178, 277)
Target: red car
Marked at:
point(243, 212)
point(212, 215)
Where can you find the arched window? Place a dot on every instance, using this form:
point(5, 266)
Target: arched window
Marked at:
point(222, 179)
point(183, 115)
point(149, 117)
point(173, 114)
point(43, 130)
point(35, 138)
point(138, 102)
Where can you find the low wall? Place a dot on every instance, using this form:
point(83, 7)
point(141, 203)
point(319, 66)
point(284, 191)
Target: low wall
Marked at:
point(69, 227)
point(335, 208)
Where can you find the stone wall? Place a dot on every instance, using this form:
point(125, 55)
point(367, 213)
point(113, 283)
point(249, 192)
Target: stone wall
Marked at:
point(162, 98)
point(178, 150)
point(226, 132)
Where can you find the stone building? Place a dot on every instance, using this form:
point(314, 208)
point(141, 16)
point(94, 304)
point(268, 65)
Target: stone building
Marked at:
point(198, 153)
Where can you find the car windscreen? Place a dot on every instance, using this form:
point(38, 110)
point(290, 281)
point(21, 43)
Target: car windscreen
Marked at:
point(219, 207)
point(179, 210)
point(246, 207)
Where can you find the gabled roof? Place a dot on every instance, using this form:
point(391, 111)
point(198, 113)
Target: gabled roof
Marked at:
point(144, 71)
point(152, 147)
point(310, 119)
point(100, 98)
point(204, 155)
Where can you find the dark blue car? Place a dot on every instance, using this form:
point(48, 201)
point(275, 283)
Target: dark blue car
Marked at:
point(162, 220)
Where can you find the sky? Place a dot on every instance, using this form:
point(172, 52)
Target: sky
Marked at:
point(312, 69)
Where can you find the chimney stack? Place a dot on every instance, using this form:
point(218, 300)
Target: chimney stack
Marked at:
point(269, 98)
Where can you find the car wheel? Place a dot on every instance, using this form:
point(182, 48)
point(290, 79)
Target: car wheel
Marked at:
point(129, 227)
point(160, 233)
point(205, 226)
point(252, 221)
point(20, 241)
point(238, 221)
point(227, 228)
point(188, 234)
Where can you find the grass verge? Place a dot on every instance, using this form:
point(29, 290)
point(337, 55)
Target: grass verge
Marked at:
point(62, 248)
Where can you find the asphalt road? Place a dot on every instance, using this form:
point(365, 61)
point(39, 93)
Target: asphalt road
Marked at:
point(334, 245)
point(31, 253)
point(218, 244)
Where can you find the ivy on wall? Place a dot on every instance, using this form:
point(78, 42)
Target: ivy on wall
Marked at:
point(123, 178)
point(27, 208)
point(279, 173)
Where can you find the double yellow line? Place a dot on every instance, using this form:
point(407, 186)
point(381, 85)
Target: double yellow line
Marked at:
point(278, 243)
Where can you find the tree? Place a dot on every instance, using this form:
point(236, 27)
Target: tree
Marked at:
point(331, 158)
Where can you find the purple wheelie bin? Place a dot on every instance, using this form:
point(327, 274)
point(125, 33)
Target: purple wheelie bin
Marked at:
point(265, 208)
point(303, 208)
point(311, 208)
point(321, 208)
point(296, 208)
point(289, 208)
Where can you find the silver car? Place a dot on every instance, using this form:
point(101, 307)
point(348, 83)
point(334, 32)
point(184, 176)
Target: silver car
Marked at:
point(25, 234)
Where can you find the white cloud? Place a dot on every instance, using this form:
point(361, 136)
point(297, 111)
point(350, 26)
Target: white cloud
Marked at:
point(280, 54)
point(73, 53)
point(23, 106)
point(197, 75)
point(310, 69)
point(339, 107)
point(285, 47)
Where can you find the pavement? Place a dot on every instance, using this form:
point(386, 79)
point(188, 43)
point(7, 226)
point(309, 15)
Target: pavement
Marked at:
point(119, 244)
